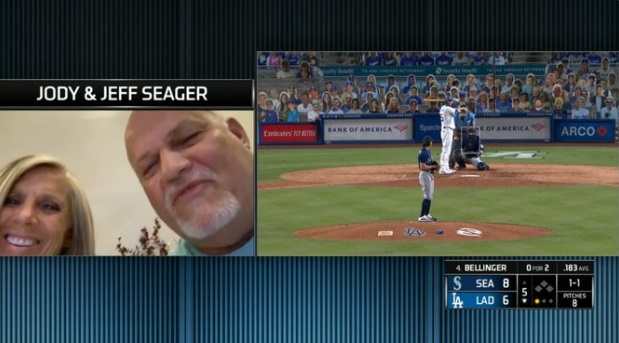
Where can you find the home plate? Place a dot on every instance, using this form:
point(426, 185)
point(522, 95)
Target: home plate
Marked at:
point(469, 175)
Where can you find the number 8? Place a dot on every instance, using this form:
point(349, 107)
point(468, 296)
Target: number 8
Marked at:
point(505, 283)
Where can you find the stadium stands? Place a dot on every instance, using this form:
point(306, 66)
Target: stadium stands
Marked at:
point(336, 65)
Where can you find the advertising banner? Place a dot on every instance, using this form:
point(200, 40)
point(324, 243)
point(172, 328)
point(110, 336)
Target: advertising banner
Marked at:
point(288, 133)
point(500, 127)
point(585, 131)
point(427, 125)
point(507, 128)
point(374, 129)
point(438, 71)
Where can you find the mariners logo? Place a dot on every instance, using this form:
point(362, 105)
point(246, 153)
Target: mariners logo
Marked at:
point(413, 232)
point(457, 283)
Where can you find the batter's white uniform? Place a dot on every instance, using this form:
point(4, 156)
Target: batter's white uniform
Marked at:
point(447, 135)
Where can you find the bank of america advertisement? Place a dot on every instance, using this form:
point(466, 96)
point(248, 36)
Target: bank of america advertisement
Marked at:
point(374, 130)
point(515, 128)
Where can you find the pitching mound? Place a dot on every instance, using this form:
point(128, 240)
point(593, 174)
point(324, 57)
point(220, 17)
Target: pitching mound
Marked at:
point(412, 231)
point(406, 175)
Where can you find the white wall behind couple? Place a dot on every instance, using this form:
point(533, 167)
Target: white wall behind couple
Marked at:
point(91, 145)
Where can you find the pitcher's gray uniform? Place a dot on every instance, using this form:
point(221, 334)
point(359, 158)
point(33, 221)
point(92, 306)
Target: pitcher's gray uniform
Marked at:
point(426, 179)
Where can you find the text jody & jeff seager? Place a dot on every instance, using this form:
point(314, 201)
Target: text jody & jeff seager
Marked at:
point(124, 93)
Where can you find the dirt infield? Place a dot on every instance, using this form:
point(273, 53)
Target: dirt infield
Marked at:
point(419, 232)
point(406, 175)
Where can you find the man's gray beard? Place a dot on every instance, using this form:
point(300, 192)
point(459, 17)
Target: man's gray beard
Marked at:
point(205, 221)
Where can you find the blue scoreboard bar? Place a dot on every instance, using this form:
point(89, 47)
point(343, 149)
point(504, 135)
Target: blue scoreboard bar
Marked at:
point(519, 284)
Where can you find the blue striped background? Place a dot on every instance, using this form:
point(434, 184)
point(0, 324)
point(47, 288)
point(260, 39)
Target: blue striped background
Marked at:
point(89, 300)
point(310, 300)
point(271, 300)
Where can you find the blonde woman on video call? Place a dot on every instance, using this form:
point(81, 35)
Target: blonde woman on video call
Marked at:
point(44, 210)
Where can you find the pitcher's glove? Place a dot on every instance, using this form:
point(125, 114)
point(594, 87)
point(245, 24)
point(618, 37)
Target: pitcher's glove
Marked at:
point(435, 166)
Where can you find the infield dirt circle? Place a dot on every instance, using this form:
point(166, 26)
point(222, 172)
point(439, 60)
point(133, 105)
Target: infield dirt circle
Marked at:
point(439, 231)
point(406, 175)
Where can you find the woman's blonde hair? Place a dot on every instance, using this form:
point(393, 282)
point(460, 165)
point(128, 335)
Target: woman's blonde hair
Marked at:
point(82, 232)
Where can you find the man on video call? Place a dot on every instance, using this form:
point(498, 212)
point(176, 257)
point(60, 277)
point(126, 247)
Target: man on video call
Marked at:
point(198, 174)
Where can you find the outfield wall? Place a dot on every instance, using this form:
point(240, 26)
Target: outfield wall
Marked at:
point(409, 128)
point(367, 128)
point(289, 133)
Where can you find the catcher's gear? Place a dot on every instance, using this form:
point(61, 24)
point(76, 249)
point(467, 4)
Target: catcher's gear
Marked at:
point(482, 166)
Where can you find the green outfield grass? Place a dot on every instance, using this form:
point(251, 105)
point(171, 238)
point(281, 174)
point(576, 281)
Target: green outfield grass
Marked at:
point(583, 218)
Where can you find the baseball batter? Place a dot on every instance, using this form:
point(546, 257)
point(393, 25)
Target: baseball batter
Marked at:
point(448, 125)
point(426, 168)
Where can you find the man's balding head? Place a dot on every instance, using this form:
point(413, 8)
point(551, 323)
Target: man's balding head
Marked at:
point(197, 171)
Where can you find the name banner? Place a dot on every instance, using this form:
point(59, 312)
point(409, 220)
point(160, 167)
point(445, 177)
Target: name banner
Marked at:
point(585, 130)
point(288, 133)
point(126, 94)
point(438, 71)
point(507, 128)
point(376, 128)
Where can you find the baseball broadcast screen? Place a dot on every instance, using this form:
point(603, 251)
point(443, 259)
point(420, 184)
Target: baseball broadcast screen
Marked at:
point(437, 153)
point(331, 171)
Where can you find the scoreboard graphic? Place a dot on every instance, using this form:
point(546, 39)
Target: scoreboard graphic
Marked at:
point(519, 284)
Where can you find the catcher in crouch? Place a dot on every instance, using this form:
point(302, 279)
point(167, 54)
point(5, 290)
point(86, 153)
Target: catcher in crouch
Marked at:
point(471, 150)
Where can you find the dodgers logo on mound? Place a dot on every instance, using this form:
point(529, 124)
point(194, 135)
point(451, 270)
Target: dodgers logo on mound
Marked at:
point(413, 232)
